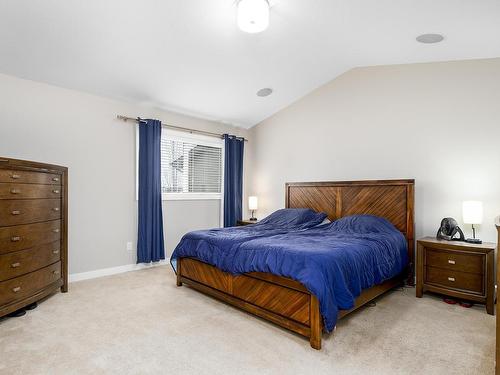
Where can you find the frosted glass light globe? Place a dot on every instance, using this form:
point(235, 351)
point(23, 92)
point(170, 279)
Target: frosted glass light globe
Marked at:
point(253, 15)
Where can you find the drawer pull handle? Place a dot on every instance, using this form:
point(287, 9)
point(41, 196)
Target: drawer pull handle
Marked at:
point(56, 272)
point(55, 251)
point(55, 191)
point(16, 212)
point(56, 209)
point(15, 176)
point(55, 179)
point(55, 230)
point(451, 279)
point(15, 265)
point(15, 191)
point(451, 261)
point(16, 289)
point(15, 239)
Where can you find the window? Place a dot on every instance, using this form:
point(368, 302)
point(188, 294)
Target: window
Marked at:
point(191, 166)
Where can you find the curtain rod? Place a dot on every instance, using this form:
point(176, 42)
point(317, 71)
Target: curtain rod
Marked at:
point(180, 128)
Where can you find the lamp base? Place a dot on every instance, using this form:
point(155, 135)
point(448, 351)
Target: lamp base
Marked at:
point(253, 219)
point(473, 240)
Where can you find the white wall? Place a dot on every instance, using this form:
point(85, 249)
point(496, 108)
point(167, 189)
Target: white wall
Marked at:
point(54, 125)
point(438, 123)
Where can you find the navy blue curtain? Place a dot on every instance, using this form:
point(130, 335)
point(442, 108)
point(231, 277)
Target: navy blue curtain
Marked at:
point(233, 179)
point(150, 244)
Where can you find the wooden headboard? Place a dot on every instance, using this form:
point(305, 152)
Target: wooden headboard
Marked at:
point(390, 199)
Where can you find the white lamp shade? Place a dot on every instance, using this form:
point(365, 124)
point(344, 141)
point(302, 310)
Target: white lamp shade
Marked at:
point(472, 212)
point(252, 203)
point(253, 15)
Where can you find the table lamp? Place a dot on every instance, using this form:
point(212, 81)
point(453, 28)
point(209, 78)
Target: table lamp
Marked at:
point(473, 214)
point(252, 206)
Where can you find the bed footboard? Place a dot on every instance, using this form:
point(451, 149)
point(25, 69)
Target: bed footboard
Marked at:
point(280, 300)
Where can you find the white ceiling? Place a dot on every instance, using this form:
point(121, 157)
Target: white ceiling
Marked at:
point(189, 56)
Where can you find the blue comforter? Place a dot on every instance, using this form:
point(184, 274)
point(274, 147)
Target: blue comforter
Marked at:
point(335, 261)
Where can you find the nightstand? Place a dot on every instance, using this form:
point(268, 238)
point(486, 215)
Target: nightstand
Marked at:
point(456, 269)
point(240, 223)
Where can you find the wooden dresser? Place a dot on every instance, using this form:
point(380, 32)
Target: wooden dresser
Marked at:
point(33, 232)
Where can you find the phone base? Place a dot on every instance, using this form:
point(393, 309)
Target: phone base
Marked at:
point(473, 240)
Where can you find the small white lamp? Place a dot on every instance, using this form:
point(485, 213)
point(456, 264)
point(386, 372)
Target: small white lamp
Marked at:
point(473, 214)
point(253, 205)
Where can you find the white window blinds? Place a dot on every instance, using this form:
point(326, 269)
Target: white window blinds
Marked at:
point(191, 167)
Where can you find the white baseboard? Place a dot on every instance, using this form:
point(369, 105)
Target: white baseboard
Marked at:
point(113, 271)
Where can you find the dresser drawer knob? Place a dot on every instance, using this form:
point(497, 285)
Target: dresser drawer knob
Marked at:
point(15, 239)
point(56, 272)
point(16, 289)
point(55, 179)
point(451, 261)
point(15, 265)
point(451, 279)
point(55, 230)
point(55, 191)
point(15, 176)
point(56, 209)
point(16, 212)
point(15, 191)
point(55, 251)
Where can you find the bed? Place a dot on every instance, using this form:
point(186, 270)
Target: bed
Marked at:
point(288, 302)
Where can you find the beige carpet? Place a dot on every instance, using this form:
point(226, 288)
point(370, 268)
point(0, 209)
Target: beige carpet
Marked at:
point(141, 323)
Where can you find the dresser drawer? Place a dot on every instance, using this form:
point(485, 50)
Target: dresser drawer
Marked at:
point(22, 237)
point(454, 279)
point(26, 177)
point(26, 211)
point(456, 261)
point(24, 286)
point(25, 261)
point(29, 191)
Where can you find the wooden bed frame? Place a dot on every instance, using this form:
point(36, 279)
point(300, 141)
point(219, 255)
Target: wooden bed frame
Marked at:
point(287, 302)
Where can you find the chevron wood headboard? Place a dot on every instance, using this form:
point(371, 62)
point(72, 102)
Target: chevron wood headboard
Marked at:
point(390, 199)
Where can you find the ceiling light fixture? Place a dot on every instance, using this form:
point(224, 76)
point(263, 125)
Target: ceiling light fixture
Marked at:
point(429, 38)
point(266, 91)
point(253, 15)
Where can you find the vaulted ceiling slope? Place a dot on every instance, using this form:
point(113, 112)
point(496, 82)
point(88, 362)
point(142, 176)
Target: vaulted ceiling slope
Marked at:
point(189, 56)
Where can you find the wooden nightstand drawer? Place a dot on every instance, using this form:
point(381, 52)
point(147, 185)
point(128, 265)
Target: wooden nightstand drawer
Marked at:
point(465, 281)
point(473, 263)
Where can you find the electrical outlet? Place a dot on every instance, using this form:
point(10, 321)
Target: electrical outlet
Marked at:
point(129, 246)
